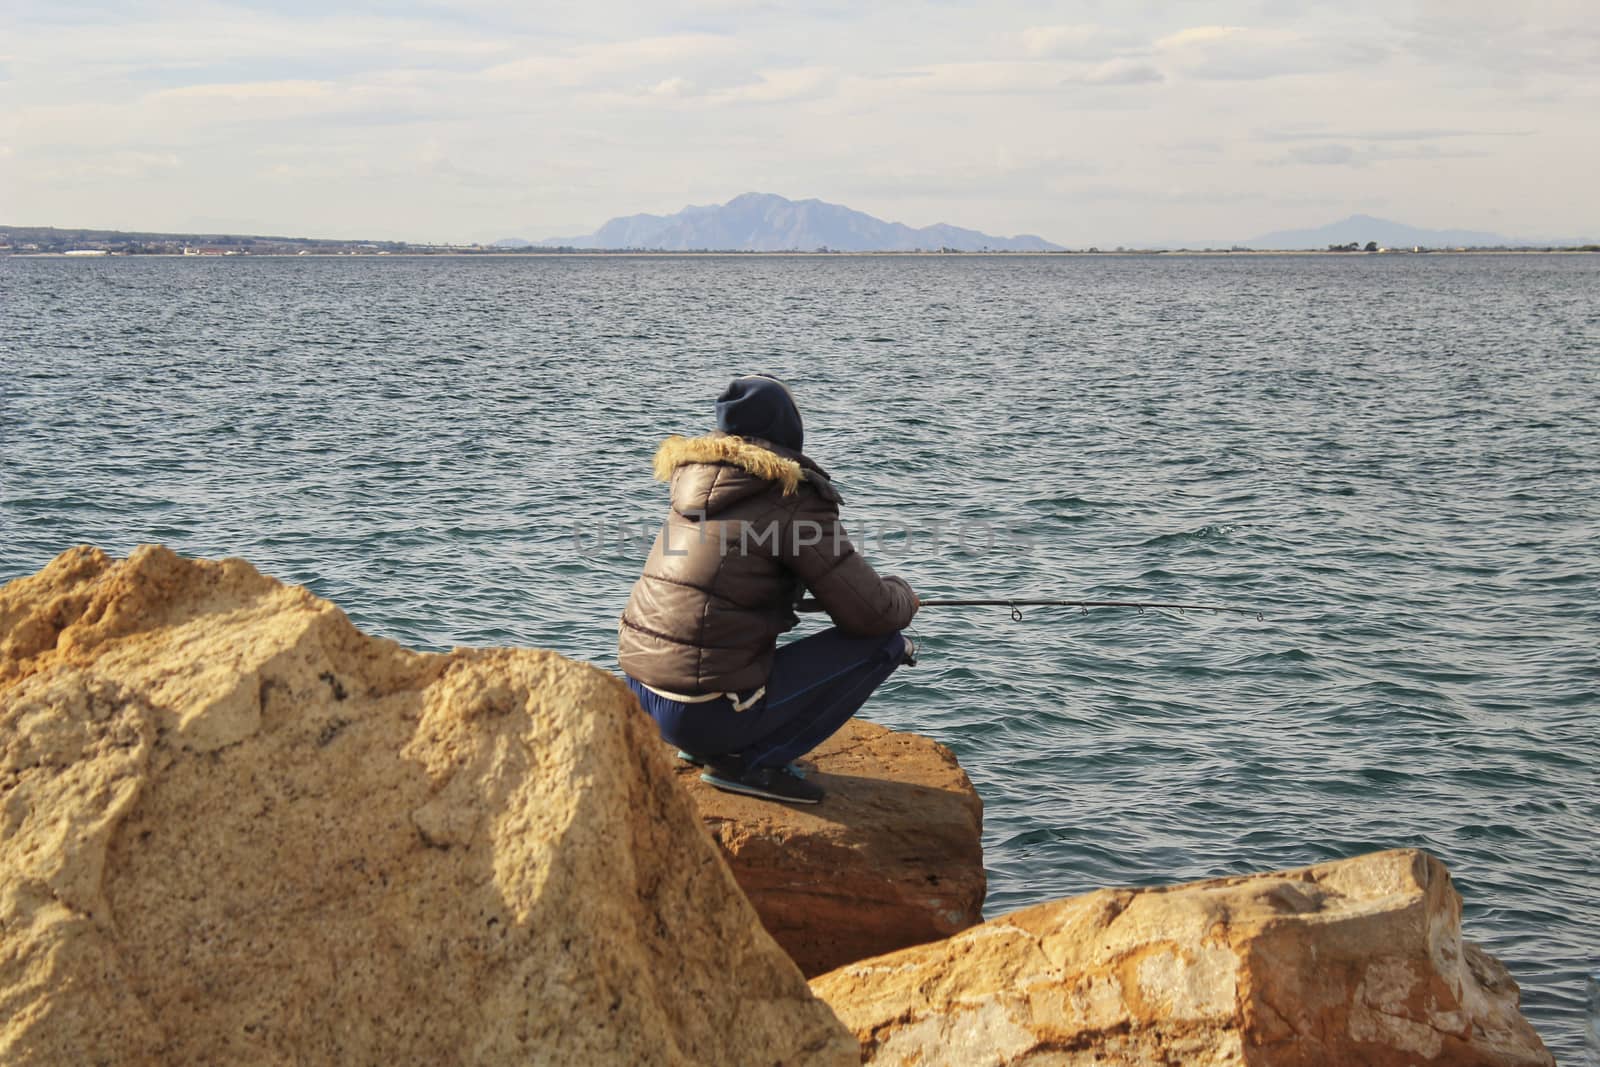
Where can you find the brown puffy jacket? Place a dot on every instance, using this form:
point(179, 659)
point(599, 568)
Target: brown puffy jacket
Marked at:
point(752, 527)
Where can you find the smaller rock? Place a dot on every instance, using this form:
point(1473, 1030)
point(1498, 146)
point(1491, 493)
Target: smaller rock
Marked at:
point(892, 857)
point(1359, 961)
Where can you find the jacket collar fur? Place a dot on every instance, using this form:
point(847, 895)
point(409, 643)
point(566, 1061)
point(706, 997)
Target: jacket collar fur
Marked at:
point(748, 454)
point(692, 464)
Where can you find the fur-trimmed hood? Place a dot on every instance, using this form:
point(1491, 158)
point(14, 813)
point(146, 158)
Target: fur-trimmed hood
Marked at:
point(710, 472)
point(745, 454)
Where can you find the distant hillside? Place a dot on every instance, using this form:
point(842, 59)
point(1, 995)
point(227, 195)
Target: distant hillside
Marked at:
point(55, 240)
point(762, 222)
point(1364, 228)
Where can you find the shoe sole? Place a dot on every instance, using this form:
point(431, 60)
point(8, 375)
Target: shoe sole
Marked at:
point(729, 786)
point(796, 769)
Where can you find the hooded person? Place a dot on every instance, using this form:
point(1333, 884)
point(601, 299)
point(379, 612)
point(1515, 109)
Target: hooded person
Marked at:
point(753, 526)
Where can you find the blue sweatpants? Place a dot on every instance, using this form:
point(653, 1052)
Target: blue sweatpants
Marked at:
point(817, 683)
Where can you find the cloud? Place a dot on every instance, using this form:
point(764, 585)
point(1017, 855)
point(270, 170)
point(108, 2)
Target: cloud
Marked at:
point(437, 46)
point(456, 165)
point(1131, 192)
point(934, 172)
point(1343, 155)
point(1071, 42)
point(1121, 72)
point(779, 86)
point(1079, 43)
point(614, 62)
point(113, 166)
point(978, 77)
point(1322, 134)
point(1497, 43)
point(775, 86)
point(1325, 155)
point(174, 40)
point(283, 90)
point(208, 106)
point(671, 87)
point(1025, 78)
point(1242, 53)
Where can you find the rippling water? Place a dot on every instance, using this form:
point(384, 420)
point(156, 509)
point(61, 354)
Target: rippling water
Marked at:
point(1394, 458)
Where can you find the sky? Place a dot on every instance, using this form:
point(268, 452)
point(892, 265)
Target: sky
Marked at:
point(1084, 122)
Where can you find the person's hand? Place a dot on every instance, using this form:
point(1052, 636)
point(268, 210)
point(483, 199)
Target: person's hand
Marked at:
point(916, 601)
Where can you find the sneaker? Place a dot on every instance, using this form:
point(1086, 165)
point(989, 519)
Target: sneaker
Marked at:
point(768, 783)
point(729, 770)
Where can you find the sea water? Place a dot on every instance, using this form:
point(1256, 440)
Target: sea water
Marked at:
point(1395, 459)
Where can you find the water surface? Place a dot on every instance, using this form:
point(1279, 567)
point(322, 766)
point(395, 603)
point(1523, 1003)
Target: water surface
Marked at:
point(1394, 458)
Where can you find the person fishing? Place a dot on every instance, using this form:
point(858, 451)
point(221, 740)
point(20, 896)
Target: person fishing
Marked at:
point(753, 526)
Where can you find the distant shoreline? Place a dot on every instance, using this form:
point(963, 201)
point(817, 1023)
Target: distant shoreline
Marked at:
point(597, 253)
point(747, 215)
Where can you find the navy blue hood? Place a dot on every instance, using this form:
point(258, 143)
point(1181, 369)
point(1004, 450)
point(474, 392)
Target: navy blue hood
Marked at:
point(760, 406)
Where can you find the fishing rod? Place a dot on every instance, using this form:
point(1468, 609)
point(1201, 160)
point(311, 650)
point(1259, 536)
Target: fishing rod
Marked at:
point(1016, 605)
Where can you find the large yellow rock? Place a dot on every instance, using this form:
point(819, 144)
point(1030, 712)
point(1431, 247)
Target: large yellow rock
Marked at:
point(234, 829)
point(1357, 962)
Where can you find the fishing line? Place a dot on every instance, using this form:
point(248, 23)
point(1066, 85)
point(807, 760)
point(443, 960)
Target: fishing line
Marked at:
point(1083, 606)
point(1016, 606)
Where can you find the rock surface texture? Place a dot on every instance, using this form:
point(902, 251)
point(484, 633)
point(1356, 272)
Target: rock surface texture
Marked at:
point(1356, 962)
point(892, 857)
point(234, 829)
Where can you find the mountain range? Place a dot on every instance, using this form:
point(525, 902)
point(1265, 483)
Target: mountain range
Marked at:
point(763, 222)
point(1363, 228)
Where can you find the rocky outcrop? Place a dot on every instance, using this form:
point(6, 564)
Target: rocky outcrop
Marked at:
point(233, 829)
point(892, 857)
point(1354, 962)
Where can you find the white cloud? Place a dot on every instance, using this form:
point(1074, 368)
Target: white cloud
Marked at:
point(671, 87)
point(776, 86)
point(1122, 72)
point(987, 78)
point(192, 108)
point(284, 90)
point(467, 46)
point(1070, 42)
point(113, 166)
point(1495, 43)
point(1035, 78)
point(611, 63)
point(1336, 154)
point(1242, 53)
point(1414, 134)
point(172, 39)
point(1325, 155)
